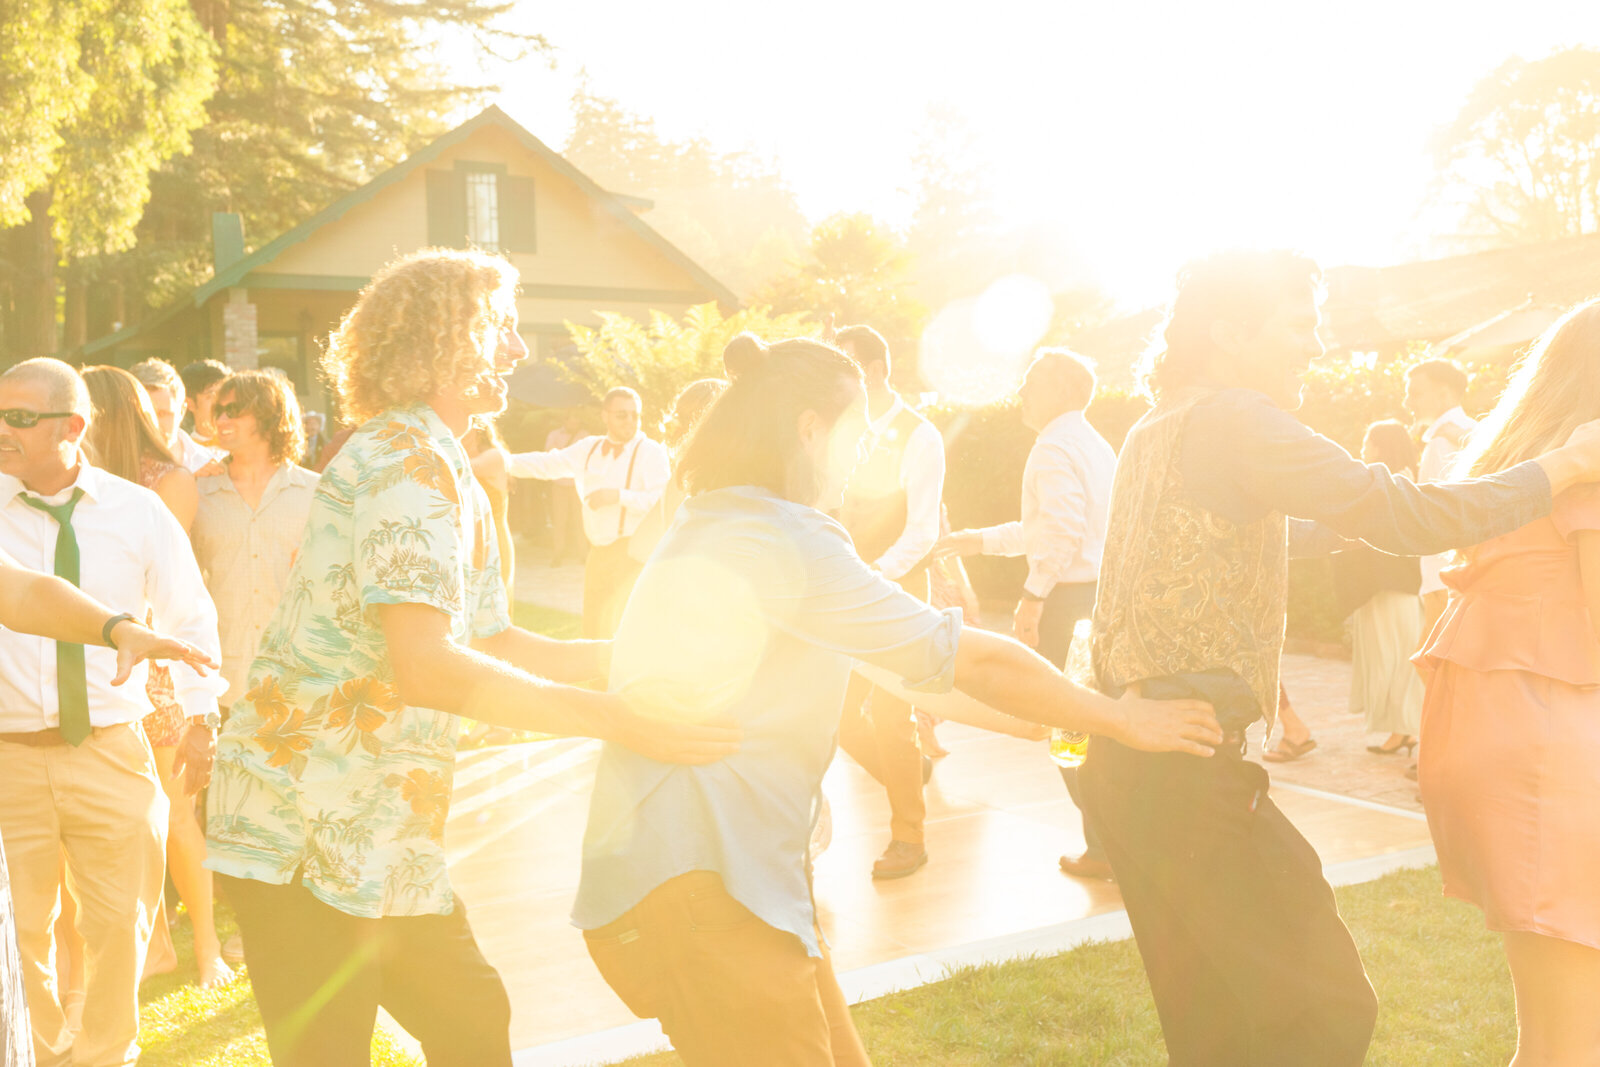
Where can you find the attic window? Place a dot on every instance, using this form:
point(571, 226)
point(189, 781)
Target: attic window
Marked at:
point(483, 210)
point(480, 205)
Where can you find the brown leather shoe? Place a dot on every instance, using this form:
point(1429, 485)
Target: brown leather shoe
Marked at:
point(1086, 866)
point(899, 859)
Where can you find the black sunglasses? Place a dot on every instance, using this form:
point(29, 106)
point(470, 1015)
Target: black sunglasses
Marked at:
point(231, 411)
point(23, 419)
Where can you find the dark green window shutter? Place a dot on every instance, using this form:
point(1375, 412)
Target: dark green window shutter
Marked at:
point(517, 230)
point(447, 209)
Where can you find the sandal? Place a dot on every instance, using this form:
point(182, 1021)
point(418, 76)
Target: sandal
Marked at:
point(1288, 751)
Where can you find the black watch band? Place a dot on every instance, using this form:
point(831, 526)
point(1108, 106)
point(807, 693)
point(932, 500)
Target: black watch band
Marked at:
point(111, 624)
point(1030, 596)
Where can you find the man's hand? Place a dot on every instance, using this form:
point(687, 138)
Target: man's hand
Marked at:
point(1168, 725)
point(197, 748)
point(1025, 621)
point(672, 741)
point(960, 543)
point(135, 644)
point(603, 498)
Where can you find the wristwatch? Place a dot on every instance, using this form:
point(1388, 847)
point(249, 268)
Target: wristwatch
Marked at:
point(1031, 596)
point(211, 720)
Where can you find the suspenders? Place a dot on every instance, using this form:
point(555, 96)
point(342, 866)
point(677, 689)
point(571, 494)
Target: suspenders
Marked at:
point(627, 482)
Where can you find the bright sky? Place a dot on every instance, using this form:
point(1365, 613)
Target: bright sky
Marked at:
point(1148, 132)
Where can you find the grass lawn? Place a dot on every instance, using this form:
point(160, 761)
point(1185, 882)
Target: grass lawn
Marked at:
point(1444, 993)
point(182, 1025)
point(548, 621)
point(1442, 984)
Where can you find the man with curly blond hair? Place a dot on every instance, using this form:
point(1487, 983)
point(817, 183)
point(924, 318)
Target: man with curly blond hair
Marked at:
point(327, 816)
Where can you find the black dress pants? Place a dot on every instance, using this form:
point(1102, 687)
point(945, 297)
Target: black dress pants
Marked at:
point(1063, 608)
point(319, 976)
point(1248, 959)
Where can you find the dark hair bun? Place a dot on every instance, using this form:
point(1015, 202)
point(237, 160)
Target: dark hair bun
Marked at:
point(744, 354)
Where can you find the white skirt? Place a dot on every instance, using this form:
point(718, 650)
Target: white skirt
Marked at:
point(1384, 686)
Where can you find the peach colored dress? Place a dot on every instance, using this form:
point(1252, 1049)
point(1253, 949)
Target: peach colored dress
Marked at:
point(1510, 758)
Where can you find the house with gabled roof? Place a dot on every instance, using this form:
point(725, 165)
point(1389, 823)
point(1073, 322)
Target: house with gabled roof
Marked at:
point(489, 184)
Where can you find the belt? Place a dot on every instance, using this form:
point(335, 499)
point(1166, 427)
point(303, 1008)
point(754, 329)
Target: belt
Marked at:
point(52, 737)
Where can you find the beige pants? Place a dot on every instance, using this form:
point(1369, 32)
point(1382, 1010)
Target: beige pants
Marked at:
point(102, 804)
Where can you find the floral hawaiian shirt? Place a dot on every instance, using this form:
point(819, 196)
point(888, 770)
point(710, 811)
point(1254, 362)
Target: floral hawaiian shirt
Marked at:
point(322, 774)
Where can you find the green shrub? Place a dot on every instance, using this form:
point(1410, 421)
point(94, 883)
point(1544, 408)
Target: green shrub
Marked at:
point(659, 358)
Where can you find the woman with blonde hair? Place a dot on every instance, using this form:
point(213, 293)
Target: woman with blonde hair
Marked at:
point(124, 440)
point(1511, 716)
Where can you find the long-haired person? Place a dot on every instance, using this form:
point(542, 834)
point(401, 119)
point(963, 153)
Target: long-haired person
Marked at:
point(327, 816)
point(1511, 718)
point(1380, 594)
point(252, 516)
point(695, 895)
point(127, 441)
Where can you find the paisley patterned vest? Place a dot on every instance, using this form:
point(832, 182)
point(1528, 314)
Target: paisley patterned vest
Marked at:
point(1182, 588)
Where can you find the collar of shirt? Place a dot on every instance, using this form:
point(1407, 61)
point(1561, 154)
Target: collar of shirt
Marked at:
point(881, 423)
point(1064, 423)
point(608, 447)
point(90, 479)
point(223, 483)
point(1454, 417)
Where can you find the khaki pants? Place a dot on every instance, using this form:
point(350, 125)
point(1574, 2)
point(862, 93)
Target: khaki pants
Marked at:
point(729, 990)
point(101, 803)
point(608, 578)
point(880, 733)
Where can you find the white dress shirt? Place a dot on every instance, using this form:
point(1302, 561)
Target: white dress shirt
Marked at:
point(560, 438)
point(1066, 498)
point(922, 478)
point(1441, 443)
point(589, 465)
point(134, 557)
point(193, 455)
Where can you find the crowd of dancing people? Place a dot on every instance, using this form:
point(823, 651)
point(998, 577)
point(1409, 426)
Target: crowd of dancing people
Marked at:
point(241, 646)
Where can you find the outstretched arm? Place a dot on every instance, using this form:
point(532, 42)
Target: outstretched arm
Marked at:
point(432, 671)
point(51, 607)
point(573, 662)
point(1007, 676)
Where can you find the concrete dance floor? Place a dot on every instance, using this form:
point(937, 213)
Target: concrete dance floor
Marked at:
point(998, 818)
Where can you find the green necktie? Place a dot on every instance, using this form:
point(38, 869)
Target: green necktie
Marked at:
point(72, 687)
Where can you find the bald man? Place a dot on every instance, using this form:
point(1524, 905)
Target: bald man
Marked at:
point(79, 776)
point(1066, 493)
